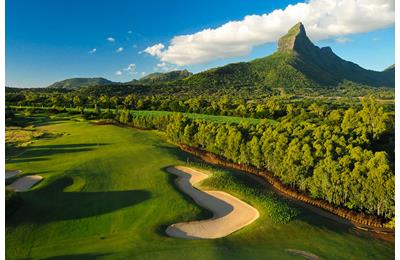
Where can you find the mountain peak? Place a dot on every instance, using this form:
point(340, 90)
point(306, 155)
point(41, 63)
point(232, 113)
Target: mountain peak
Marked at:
point(295, 40)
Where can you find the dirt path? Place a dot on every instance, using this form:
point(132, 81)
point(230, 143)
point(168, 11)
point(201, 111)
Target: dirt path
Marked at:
point(25, 183)
point(229, 213)
point(10, 174)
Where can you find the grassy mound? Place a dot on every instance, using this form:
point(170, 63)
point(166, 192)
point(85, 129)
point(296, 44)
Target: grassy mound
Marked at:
point(278, 209)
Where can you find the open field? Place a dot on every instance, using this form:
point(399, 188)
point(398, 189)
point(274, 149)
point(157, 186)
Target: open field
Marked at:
point(106, 194)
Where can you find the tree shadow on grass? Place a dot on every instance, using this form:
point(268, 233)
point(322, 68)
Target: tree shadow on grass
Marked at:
point(203, 214)
point(39, 152)
point(178, 153)
point(77, 256)
point(51, 203)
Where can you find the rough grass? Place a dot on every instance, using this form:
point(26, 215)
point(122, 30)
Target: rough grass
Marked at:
point(106, 195)
point(20, 137)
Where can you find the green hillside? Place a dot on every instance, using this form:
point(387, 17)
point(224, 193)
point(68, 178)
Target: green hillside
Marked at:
point(298, 63)
point(75, 83)
point(159, 77)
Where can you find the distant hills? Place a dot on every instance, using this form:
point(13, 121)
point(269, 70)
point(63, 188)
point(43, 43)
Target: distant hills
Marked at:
point(153, 78)
point(159, 77)
point(296, 64)
point(75, 83)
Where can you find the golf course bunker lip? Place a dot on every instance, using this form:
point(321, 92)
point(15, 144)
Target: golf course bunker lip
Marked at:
point(25, 183)
point(229, 213)
point(10, 174)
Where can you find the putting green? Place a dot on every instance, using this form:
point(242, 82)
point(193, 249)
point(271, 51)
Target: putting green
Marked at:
point(106, 194)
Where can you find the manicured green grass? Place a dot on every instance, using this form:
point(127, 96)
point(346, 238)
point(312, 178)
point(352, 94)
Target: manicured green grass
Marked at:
point(213, 118)
point(106, 194)
point(276, 208)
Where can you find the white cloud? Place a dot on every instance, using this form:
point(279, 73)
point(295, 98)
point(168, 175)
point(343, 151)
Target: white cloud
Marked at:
point(92, 51)
point(323, 19)
point(143, 73)
point(343, 40)
point(110, 39)
point(163, 66)
point(129, 32)
point(120, 49)
point(131, 69)
point(155, 50)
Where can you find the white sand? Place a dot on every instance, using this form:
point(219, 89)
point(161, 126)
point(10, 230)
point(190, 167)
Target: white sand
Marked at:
point(229, 213)
point(25, 183)
point(10, 174)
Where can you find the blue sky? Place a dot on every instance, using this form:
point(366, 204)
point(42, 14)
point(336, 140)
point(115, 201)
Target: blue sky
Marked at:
point(50, 40)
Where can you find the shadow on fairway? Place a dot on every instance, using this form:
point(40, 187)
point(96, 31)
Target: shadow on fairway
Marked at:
point(202, 212)
point(38, 153)
point(51, 203)
point(73, 257)
point(178, 153)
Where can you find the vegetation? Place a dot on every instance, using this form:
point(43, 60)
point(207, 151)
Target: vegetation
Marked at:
point(158, 77)
point(332, 154)
point(327, 154)
point(17, 136)
point(75, 83)
point(330, 159)
point(105, 195)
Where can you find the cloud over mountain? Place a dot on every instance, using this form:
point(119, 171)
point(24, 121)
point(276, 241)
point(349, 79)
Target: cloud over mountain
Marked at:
point(323, 19)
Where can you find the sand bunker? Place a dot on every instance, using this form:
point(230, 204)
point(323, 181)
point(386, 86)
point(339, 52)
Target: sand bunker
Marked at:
point(25, 183)
point(10, 174)
point(229, 213)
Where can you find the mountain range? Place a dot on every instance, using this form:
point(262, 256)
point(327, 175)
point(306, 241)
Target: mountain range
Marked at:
point(152, 78)
point(297, 63)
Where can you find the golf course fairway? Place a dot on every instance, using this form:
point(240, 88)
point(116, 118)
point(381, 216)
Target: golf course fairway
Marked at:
point(106, 194)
